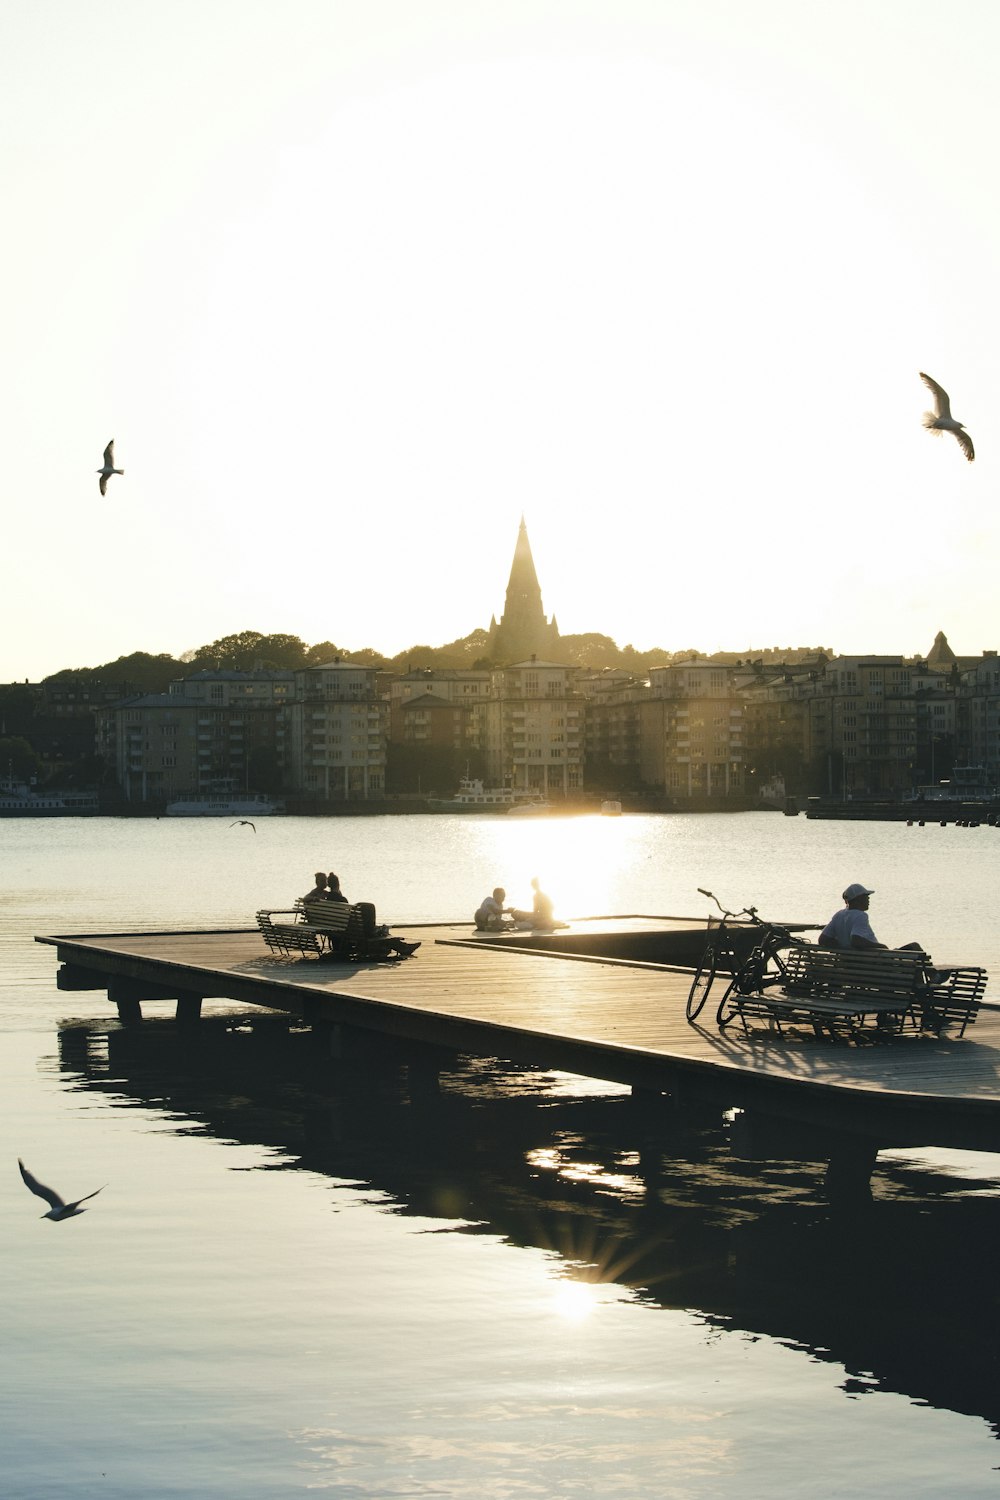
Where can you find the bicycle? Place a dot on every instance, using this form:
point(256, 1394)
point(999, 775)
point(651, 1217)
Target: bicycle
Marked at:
point(762, 967)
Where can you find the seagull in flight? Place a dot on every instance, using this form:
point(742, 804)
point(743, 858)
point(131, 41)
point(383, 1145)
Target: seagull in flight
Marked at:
point(109, 467)
point(58, 1209)
point(244, 823)
point(941, 419)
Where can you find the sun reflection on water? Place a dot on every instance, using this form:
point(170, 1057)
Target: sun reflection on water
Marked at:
point(574, 1300)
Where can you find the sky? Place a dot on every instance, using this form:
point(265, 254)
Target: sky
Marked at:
point(355, 284)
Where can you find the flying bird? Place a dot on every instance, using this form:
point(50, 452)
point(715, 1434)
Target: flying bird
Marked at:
point(109, 467)
point(244, 823)
point(941, 419)
point(58, 1209)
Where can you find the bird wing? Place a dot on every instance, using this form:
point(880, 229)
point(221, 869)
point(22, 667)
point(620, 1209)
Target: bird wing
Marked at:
point(52, 1199)
point(89, 1196)
point(965, 443)
point(104, 484)
point(109, 452)
point(942, 405)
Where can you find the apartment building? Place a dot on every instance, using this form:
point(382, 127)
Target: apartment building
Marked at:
point(534, 729)
point(215, 731)
point(336, 732)
point(691, 732)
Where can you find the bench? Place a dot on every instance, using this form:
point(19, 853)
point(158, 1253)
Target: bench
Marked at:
point(865, 993)
point(287, 938)
point(327, 929)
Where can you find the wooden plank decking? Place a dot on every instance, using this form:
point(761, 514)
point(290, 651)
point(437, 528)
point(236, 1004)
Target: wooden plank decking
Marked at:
point(604, 1018)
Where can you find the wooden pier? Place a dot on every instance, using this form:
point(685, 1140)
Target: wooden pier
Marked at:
point(620, 1019)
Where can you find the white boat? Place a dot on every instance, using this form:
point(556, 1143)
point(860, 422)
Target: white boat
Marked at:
point(529, 809)
point(224, 805)
point(473, 797)
point(19, 800)
point(611, 808)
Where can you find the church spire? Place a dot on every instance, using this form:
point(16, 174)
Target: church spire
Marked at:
point(523, 630)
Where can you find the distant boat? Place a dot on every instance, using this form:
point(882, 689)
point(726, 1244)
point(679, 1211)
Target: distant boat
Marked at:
point(473, 797)
point(530, 809)
point(224, 805)
point(19, 800)
point(611, 808)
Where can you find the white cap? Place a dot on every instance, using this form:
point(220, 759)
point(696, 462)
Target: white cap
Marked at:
point(854, 891)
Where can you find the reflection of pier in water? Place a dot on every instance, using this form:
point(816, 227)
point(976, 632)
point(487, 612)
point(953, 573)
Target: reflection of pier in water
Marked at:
point(625, 1190)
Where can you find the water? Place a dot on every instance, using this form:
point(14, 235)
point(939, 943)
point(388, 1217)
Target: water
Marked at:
point(302, 1278)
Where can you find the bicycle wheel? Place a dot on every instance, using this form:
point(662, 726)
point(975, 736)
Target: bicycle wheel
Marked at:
point(726, 1009)
point(700, 985)
point(747, 980)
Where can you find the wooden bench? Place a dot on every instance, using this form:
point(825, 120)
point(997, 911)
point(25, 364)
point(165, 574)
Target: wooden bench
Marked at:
point(288, 938)
point(327, 929)
point(865, 993)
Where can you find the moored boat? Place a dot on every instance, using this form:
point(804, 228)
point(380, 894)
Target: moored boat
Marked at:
point(473, 797)
point(19, 800)
point(224, 805)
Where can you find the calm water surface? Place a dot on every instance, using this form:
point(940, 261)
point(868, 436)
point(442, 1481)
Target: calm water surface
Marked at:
point(302, 1277)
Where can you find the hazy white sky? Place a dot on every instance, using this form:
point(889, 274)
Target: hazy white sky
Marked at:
point(354, 283)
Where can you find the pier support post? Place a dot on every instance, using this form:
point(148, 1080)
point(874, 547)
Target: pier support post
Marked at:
point(189, 1008)
point(849, 1171)
point(125, 1001)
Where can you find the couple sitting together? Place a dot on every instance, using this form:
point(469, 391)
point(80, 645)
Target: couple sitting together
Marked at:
point(491, 912)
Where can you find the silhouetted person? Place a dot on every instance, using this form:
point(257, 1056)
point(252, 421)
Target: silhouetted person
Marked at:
point(318, 892)
point(850, 927)
point(540, 917)
point(490, 914)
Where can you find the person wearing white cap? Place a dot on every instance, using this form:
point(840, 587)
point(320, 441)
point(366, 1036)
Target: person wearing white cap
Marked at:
point(850, 927)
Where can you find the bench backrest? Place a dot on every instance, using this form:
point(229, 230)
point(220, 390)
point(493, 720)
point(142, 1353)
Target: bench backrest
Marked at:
point(835, 971)
point(330, 916)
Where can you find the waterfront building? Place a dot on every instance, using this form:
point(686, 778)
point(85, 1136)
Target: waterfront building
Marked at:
point(337, 729)
point(611, 727)
point(534, 729)
point(226, 734)
point(691, 732)
point(151, 742)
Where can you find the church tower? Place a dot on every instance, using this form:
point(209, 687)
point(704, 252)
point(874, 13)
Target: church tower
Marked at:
point(523, 630)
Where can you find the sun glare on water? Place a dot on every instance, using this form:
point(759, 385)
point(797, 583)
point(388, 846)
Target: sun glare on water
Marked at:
point(573, 1300)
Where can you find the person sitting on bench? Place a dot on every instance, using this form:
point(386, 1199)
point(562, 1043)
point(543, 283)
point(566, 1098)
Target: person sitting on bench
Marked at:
point(851, 928)
point(319, 891)
point(371, 927)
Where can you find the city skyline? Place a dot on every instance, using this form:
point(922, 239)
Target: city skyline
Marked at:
point(351, 289)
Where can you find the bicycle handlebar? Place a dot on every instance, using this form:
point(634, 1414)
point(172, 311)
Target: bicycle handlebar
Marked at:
point(748, 911)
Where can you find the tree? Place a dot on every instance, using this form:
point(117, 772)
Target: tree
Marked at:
point(139, 672)
point(17, 758)
point(249, 650)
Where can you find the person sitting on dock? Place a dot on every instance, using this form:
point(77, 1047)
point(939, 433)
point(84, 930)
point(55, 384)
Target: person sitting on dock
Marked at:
point(850, 927)
point(491, 912)
point(318, 892)
point(333, 891)
point(540, 917)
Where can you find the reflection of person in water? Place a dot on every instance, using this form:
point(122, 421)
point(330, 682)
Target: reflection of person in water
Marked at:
point(540, 915)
